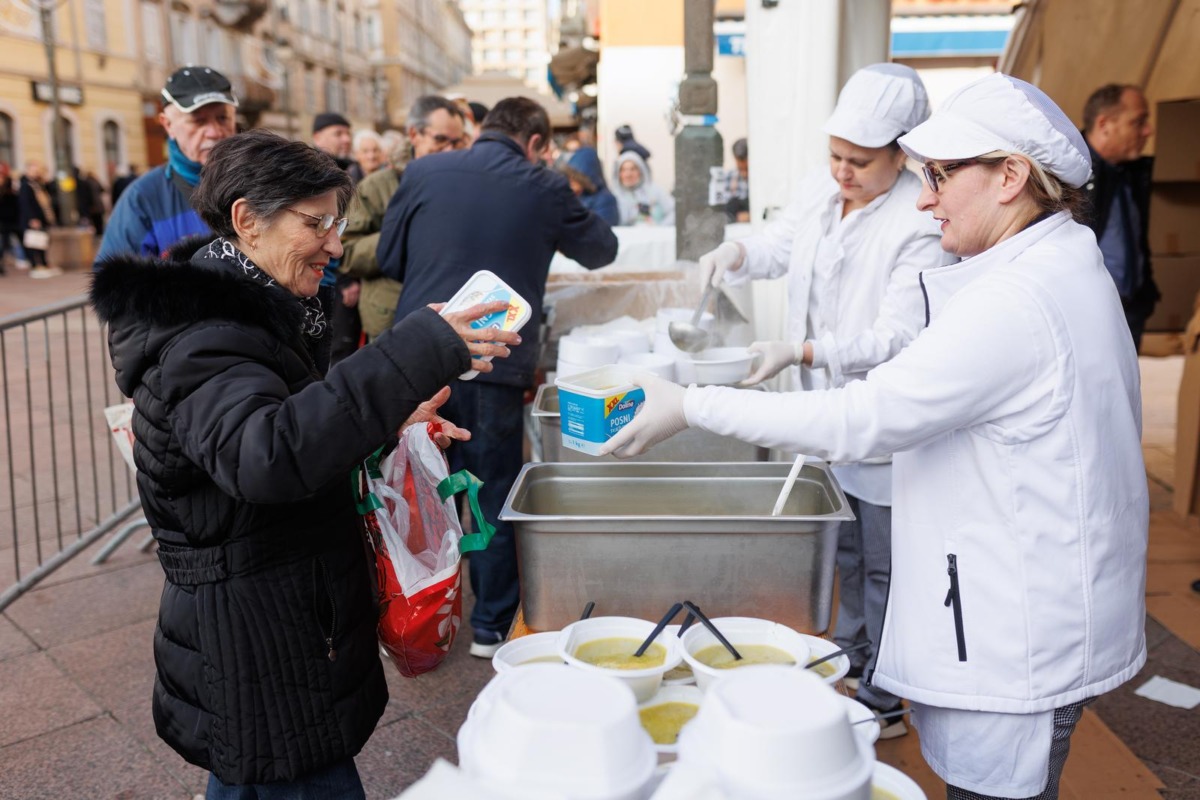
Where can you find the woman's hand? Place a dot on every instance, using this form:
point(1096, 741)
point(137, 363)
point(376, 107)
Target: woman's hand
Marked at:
point(441, 429)
point(480, 341)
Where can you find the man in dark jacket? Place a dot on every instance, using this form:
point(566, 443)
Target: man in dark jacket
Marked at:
point(491, 207)
point(1116, 125)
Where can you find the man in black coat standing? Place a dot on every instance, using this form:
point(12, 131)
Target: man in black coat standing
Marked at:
point(1116, 125)
point(491, 207)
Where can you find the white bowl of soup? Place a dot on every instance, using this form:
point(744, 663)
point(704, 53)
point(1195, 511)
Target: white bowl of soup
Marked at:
point(534, 648)
point(758, 641)
point(665, 715)
point(831, 671)
point(607, 645)
point(889, 783)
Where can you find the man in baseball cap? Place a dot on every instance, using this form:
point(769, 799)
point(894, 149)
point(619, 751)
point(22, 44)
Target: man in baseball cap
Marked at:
point(155, 212)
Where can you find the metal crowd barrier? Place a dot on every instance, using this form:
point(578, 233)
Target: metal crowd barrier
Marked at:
point(63, 484)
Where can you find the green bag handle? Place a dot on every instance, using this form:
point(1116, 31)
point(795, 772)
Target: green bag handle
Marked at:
point(450, 486)
point(465, 481)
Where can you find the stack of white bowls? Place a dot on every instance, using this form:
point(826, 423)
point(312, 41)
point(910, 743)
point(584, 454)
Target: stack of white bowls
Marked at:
point(550, 728)
point(777, 733)
point(580, 353)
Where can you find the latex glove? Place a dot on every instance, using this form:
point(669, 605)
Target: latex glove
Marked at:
point(660, 418)
point(715, 263)
point(775, 357)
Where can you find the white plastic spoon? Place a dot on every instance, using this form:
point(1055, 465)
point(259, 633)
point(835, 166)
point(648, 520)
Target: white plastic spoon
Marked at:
point(787, 486)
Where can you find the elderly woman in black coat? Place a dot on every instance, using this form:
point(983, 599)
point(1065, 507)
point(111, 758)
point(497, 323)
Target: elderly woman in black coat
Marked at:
point(268, 670)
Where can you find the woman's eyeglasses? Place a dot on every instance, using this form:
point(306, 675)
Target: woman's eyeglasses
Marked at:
point(936, 174)
point(325, 222)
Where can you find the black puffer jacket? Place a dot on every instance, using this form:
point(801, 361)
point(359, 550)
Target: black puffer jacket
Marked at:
point(268, 665)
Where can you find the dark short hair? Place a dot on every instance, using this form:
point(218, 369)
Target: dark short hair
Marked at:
point(741, 150)
point(426, 104)
point(327, 119)
point(1103, 100)
point(270, 172)
point(478, 110)
point(520, 118)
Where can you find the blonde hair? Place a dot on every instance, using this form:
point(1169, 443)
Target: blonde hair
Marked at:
point(1048, 193)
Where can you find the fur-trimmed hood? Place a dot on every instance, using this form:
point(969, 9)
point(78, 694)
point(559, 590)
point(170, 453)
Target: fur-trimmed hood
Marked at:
point(146, 302)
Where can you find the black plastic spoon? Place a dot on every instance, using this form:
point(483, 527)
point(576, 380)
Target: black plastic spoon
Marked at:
point(588, 609)
point(837, 653)
point(706, 622)
point(662, 623)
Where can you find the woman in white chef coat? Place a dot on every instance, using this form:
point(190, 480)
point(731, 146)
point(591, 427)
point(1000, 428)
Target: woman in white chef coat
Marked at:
point(851, 246)
point(1020, 507)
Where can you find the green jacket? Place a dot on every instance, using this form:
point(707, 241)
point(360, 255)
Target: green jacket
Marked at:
point(379, 295)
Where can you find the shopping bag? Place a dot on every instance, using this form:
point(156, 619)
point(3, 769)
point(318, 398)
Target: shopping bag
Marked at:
point(411, 523)
point(34, 239)
point(120, 422)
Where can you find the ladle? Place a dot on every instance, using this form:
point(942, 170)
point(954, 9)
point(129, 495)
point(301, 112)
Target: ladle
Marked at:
point(900, 712)
point(689, 336)
point(662, 623)
point(706, 622)
point(787, 486)
point(837, 653)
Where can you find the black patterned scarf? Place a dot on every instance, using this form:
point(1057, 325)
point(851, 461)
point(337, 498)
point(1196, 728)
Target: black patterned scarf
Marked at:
point(314, 316)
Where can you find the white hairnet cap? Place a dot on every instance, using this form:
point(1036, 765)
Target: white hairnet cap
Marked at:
point(1001, 112)
point(877, 104)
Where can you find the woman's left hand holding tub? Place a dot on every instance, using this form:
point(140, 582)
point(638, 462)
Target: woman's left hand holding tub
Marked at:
point(480, 341)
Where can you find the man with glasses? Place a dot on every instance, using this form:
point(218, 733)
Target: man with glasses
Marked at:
point(155, 212)
point(434, 125)
point(492, 206)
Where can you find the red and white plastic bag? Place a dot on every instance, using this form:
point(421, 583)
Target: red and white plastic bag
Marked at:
point(407, 500)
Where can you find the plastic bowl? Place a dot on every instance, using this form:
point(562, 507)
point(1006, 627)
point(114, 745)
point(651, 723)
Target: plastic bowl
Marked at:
point(859, 714)
point(740, 630)
point(889, 779)
point(674, 694)
point(778, 732)
point(551, 728)
point(532, 649)
point(661, 365)
point(643, 682)
point(684, 675)
point(831, 671)
point(588, 351)
point(722, 365)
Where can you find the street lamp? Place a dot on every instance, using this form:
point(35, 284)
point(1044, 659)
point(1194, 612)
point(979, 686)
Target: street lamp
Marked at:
point(65, 175)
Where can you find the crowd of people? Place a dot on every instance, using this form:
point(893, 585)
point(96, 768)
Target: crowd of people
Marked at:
point(272, 313)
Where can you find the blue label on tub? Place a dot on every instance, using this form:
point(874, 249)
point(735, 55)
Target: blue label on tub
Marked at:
point(589, 422)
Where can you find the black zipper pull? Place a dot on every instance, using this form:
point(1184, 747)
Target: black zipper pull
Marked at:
point(332, 654)
point(952, 571)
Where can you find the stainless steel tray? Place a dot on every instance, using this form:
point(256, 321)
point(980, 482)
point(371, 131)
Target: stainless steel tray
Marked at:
point(691, 445)
point(637, 537)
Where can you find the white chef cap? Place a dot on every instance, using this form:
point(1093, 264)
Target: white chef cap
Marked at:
point(1001, 112)
point(877, 104)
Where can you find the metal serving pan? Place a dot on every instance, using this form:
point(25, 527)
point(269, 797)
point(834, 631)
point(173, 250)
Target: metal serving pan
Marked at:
point(637, 537)
point(691, 445)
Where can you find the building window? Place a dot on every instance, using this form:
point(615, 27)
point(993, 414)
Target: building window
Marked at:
point(310, 90)
point(152, 32)
point(94, 24)
point(112, 147)
point(8, 148)
point(512, 54)
point(533, 17)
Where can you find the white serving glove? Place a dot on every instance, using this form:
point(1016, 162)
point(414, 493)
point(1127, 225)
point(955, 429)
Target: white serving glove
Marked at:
point(776, 356)
point(660, 418)
point(715, 263)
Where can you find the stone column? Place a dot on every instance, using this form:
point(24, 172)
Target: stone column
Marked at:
point(698, 147)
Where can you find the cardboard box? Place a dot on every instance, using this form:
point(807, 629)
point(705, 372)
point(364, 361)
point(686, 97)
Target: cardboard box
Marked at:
point(1187, 426)
point(1175, 218)
point(1178, 279)
point(1176, 148)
